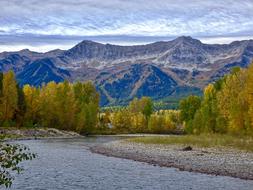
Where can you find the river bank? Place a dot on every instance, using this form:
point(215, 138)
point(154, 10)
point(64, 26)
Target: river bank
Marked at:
point(215, 161)
point(39, 133)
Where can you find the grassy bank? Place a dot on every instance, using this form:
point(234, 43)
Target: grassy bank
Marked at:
point(9, 136)
point(205, 141)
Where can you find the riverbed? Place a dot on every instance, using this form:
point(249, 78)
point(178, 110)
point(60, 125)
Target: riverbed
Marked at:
point(64, 164)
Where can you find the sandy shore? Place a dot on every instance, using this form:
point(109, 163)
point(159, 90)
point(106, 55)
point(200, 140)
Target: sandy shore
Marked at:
point(225, 162)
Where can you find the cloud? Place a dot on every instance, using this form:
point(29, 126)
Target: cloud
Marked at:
point(121, 17)
point(166, 18)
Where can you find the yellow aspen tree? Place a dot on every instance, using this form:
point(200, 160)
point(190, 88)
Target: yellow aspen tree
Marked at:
point(32, 103)
point(249, 93)
point(209, 110)
point(47, 105)
point(9, 97)
point(65, 106)
point(232, 102)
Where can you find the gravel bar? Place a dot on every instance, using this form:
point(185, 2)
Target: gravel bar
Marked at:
point(215, 161)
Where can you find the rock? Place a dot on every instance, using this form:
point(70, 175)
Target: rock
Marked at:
point(188, 148)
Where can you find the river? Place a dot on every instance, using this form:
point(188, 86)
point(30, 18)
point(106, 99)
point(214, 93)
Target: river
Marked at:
point(67, 164)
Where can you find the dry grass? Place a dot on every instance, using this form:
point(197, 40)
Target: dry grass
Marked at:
point(206, 140)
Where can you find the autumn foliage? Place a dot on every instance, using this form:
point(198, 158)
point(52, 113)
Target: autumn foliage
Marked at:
point(64, 105)
point(226, 106)
point(139, 117)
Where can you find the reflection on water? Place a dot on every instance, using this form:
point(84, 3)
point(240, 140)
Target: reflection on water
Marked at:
point(67, 164)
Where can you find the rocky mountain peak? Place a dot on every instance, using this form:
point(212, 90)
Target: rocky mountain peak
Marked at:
point(122, 72)
point(187, 40)
point(87, 43)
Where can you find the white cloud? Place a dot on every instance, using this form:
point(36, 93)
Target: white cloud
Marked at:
point(224, 40)
point(169, 18)
point(132, 17)
point(40, 48)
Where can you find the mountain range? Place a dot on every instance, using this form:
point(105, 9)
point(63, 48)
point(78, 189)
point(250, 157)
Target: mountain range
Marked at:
point(162, 69)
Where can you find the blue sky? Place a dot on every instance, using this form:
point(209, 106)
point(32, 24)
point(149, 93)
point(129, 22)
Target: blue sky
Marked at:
point(42, 25)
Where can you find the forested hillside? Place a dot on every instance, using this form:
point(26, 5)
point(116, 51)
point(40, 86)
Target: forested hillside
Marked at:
point(226, 107)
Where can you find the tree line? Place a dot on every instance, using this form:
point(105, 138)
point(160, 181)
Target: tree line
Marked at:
point(75, 107)
point(64, 105)
point(139, 117)
point(226, 106)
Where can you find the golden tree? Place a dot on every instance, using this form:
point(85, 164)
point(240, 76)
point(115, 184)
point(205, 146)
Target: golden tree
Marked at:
point(9, 98)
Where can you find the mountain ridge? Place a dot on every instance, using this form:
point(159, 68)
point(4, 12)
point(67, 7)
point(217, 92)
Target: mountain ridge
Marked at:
point(121, 73)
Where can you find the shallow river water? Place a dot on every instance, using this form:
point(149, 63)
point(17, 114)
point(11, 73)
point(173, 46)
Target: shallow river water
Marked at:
point(67, 164)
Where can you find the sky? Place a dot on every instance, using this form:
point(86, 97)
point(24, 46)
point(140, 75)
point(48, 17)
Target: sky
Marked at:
point(43, 25)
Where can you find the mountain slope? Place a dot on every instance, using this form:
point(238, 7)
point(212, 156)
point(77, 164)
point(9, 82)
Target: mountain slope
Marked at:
point(41, 71)
point(135, 81)
point(158, 70)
